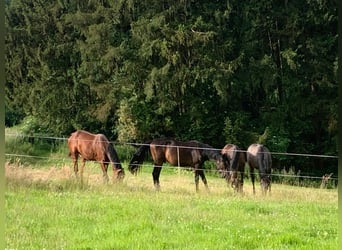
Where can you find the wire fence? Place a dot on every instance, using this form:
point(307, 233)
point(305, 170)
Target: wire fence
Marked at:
point(145, 144)
point(65, 159)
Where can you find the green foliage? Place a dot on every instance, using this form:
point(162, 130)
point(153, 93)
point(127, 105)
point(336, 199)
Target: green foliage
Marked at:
point(127, 127)
point(30, 151)
point(30, 126)
point(237, 129)
point(220, 72)
point(13, 115)
point(22, 147)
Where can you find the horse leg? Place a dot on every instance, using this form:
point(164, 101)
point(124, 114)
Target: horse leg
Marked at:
point(238, 180)
point(82, 169)
point(235, 181)
point(200, 172)
point(269, 184)
point(75, 160)
point(204, 180)
point(236, 185)
point(227, 177)
point(104, 167)
point(156, 174)
point(263, 186)
point(196, 179)
point(269, 188)
point(241, 182)
point(265, 183)
point(252, 178)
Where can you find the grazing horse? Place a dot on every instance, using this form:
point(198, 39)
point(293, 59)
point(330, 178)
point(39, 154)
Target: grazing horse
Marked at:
point(94, 147)
point(258, 156)
point(191, 153)
point(236, 160)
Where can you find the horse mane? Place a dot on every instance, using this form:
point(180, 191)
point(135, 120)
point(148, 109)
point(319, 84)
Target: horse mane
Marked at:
point(113, 156)
point(138, 157)
point(108, 148)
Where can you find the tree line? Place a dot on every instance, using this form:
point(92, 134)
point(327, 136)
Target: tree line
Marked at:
point(215, 71)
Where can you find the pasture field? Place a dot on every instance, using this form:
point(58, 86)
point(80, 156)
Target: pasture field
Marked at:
point(47, 208)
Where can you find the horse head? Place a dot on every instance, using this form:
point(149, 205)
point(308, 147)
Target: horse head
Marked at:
point(133, 167)
point(222, 164)
point(265, 182)
point(138, 159)
point(120, 174)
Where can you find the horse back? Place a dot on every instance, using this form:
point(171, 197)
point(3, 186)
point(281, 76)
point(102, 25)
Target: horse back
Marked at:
point(185, 156)
point(228, 150)
point(159, 150)
point(235, 155)
point(258, 156)
point(175, 152)
point(74, 142)
point(89, 146)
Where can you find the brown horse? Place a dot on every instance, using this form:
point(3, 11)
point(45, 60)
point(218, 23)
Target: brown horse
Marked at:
point(192, 154)
point(94, 147)
point(236, 160)
point(258, 156)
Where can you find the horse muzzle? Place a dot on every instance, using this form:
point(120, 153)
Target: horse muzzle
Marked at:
point(133, 168)
point(120, 174)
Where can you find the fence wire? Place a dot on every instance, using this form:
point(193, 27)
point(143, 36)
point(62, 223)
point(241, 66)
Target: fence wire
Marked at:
point(145, 144)
point(166, 165)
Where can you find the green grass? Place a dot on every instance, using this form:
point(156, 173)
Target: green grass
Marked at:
point(60, 213)
point(47, 208)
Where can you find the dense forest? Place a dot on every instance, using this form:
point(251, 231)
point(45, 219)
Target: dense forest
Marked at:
point(215, 71)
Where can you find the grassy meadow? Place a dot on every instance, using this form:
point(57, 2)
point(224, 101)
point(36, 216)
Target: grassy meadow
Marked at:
point(47, 208)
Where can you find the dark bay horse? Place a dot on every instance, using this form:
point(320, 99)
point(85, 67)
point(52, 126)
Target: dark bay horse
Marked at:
point(192, 154)
point(94, 147)
point(258, 156)
point(236, 160)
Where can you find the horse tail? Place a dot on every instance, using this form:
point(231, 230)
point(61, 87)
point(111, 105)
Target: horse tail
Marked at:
point(267, 160)
point(71, 141)
point(235, 158)
point(265, 165)
point(261, 161)
point(138, 158)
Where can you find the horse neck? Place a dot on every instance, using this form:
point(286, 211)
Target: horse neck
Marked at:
point(139, 155)
point(210, 152)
